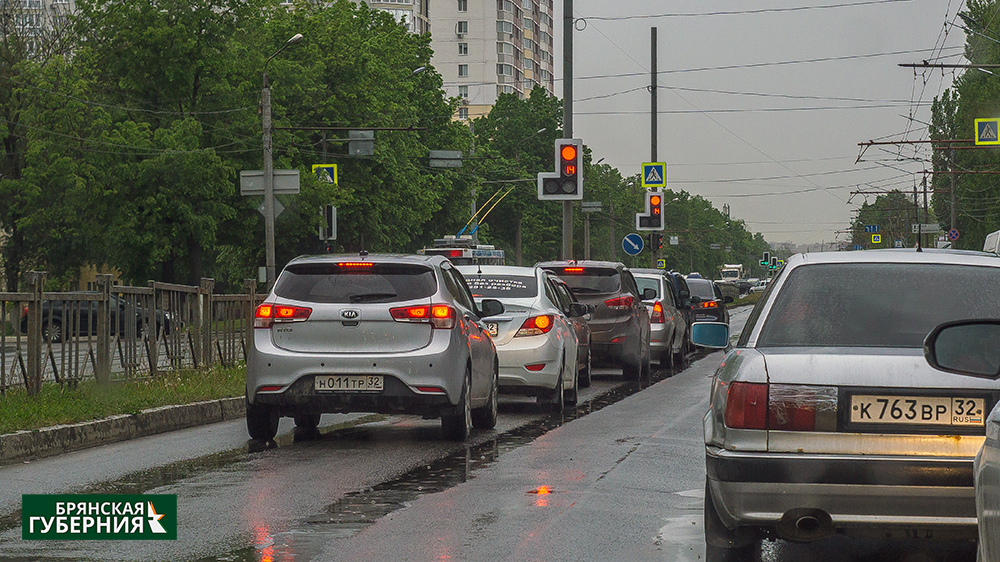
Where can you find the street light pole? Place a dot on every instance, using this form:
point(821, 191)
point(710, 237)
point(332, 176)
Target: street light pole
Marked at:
point(265, 101)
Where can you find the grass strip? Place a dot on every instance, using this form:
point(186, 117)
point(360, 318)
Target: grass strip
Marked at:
point(61, 404)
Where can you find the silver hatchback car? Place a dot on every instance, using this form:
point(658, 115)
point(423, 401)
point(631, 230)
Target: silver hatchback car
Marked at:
point(826, 418)
point(372, 333)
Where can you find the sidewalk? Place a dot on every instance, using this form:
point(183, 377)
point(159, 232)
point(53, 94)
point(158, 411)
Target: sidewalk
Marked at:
point(50, 441)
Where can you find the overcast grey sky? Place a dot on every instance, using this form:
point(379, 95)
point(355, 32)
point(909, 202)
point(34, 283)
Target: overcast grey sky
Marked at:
point(762, 104)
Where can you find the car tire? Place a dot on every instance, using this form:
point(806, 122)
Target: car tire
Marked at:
point(52, 332)
point(262, 422)
point(721, 543)
point(585, 372)
point(307, 421)
point(455, 427)
point(486, 417)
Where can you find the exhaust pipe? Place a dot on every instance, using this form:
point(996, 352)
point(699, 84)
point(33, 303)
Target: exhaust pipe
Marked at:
point(805, 525)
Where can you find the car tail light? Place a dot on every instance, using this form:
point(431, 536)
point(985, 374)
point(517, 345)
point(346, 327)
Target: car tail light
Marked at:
point(437, 315)
point(535, 367)
point(657, 317)
point(708, 304)
point(746, 406)
point(620, 303)
point(356, 264)
point(431, 389)
point(269, 389)
point(781, 407)
point(572, 270)
point(268, 313)
point(536, 325)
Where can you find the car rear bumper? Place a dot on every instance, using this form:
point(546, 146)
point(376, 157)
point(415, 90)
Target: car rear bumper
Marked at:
point(530, 350)
point(395, 398)
point(929, 495)
point(659, 339)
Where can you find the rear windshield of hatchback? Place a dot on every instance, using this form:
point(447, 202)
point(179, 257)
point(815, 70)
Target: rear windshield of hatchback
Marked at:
point(502, 286)
point(371, 283)
point(590, 280)
point(701, 288)
point(876, 305)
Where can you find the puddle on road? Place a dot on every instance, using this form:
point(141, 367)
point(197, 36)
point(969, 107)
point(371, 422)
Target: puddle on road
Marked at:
point(357, 510)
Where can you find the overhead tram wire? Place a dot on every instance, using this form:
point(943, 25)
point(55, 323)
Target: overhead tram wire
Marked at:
point(745, 12)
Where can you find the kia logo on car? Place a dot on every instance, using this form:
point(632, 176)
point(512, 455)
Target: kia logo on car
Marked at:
point(350, 314)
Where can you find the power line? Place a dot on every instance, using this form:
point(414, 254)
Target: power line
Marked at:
point(744, 12)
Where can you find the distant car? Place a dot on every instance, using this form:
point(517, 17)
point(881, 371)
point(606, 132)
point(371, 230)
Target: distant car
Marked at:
point(372, 333)
point(972, 347)
point(707, 301)
point(537, 344)
point(571, 306)
point(619, 324)
point(668, 325)
point(64, 319)
point(825, 417)
point(759, 287)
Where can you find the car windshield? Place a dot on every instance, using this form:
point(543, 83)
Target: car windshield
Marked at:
point(591, 280)
point(502, 286)
point(333, 283)
point(648, 283)
point(876, 305)
point(701, 288)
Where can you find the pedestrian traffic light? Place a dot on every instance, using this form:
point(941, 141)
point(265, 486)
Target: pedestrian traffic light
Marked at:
point(652, 219)
point(567, 182)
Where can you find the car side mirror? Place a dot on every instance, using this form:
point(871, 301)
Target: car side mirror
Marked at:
point(710, 334)
point(490, 307)
point(965, 347)
point(578, 310)
point(648, 294)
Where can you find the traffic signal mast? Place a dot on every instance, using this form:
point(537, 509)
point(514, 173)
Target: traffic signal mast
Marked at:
point(566, 183)
point(652, 219)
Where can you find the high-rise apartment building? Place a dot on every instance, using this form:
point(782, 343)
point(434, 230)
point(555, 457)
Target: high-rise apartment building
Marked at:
point(483, 48)
point(413, 12)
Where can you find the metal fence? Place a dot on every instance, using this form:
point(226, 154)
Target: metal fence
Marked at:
point(119, 332)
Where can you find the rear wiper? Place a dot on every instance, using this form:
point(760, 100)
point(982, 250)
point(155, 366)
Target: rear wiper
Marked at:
point(367, 297)
point(584, 290)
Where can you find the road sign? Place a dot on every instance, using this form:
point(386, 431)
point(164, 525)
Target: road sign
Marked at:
point(953, 234)
point(591, 206)
point(675, 240)
point(661, 264)
point(876, 238)
point(897, 244)
point(285, 182)
point(278, 207)
point(871, 228)
point(633, 244)
point(326, 172)
point(925, 228)
point(715, 246)
point(654, 174)
point(444, 158)
point(987, 131)
point(857, 247)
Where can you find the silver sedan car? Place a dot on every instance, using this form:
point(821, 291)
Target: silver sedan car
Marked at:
point(535, 339)
point(826, 418)
point(372, 333)
point(667, 325)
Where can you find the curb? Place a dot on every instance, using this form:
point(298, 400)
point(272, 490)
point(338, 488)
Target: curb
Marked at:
point(51, 441)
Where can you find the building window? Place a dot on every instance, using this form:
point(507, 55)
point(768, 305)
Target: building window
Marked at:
point(463, 5)
point(462, 28)
point(463, 92)
point(463, 70)
point(463, 113)
point(505, 70)
point(463, 48)
point(505, 27)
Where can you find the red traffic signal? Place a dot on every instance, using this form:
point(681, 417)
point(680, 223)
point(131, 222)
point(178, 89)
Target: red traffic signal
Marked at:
point(652, 219)
point(567, 182)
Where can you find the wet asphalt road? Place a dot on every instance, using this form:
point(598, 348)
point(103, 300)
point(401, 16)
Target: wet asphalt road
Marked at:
point(621, 477)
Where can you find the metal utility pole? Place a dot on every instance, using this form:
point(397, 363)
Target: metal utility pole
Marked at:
point(567, 246)
point(951, 165)
point(654, 253)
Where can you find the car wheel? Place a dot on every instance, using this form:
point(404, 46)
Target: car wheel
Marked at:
point(307, 421)
point(262, 422)
point(585, 372)
point(486, 417)
point(722, 544)
point(52, 332)
point(456, 426)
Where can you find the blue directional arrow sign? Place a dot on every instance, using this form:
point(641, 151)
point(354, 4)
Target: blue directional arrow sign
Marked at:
point(633, 244)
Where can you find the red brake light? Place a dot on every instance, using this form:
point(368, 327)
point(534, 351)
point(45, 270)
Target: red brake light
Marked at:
point(708, 304)
point(268, 313)
point(620, 303)
point(572, 270)
point(536, 326)
point(455, 254)
point(746, 406)
point(438, 315)
point(535, 367)
point(657, 317)
point(356, 264)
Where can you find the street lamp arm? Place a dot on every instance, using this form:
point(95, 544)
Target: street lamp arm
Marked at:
point(294, 39)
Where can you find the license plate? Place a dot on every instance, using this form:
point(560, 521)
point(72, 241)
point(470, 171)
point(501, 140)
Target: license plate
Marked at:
point(348, 383)
point(916, 410)
point(491, 329)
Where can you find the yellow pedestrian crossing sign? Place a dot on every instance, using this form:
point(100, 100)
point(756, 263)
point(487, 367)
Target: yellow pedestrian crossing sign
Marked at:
point(876, 238)
point(987, 131)
point(326, 172)
point(654, 174)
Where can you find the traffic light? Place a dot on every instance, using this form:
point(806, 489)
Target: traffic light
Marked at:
point(567, 182)
point(652, 219)
point(766, 260)
point(655, 241)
